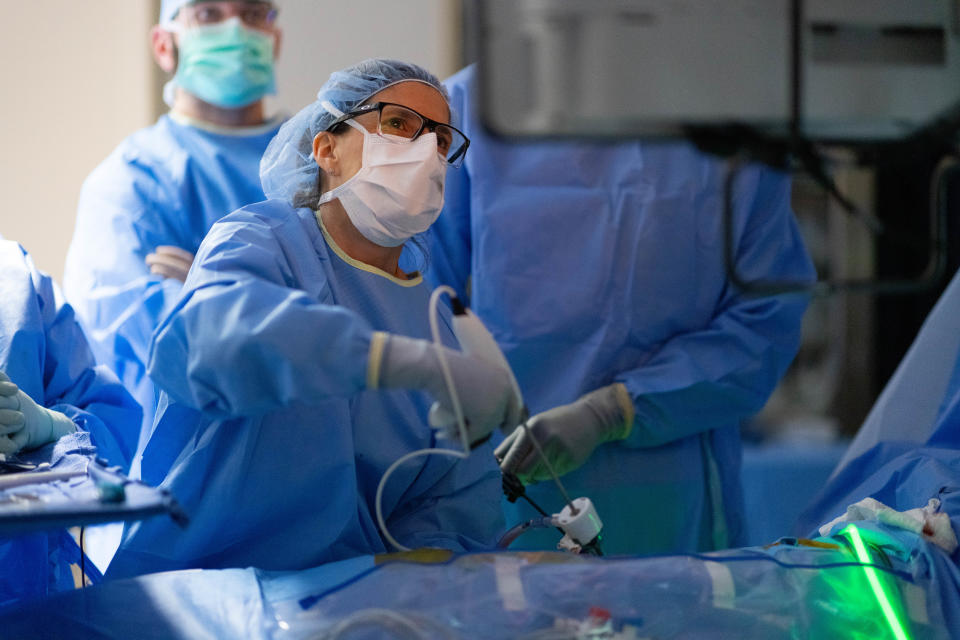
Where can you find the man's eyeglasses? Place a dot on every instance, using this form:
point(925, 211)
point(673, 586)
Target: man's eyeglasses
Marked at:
point(257, 15)
point(397, 120)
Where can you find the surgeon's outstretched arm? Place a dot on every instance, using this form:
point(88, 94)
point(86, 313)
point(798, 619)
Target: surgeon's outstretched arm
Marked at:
point(242, 342)
point(483, 390)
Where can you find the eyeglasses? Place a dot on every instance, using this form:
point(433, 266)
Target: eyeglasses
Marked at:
point(398, 120)
point(257, 15)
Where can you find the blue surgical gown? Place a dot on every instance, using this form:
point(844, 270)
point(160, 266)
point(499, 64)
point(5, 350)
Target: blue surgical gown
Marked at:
point(268, 437)
point(43, 350)
point(593, 264)
point(908, 449)
point(164, 185)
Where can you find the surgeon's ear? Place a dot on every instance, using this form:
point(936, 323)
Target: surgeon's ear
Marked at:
point(164, 48)
point(325, 153)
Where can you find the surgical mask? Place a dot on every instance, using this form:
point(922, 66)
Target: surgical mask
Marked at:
point(225, 64)
point(398, 191)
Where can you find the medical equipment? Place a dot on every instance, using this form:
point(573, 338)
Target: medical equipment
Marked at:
point(851, 71)
point(890, 584)
point(578, 519)
point(883, 594)
point(774, 82)
point(10, 464)
point(37, 477)
point(76, 491)
point(581, 529)
point(475, 340)
point(458, 415)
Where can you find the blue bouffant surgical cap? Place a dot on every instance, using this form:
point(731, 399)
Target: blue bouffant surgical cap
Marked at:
point(287, 167)
point(169, 9)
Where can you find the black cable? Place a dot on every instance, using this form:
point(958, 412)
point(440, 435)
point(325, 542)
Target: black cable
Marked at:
point(83, 561)
point(513, 488)
point(796, 68)
point(535, 506)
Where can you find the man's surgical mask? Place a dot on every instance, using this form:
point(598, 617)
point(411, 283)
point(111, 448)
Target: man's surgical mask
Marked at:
point(225, 64)
point(398, 191)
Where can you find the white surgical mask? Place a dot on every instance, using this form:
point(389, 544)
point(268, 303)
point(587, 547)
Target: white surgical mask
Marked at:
point(398, 191)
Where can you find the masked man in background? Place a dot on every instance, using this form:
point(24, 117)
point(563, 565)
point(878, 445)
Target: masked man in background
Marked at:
point(143, 212)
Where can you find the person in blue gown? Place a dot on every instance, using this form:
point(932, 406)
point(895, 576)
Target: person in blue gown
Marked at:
point(297, 365)
point(599, 269)
point(45, 356)
point(51, 391)
point(143, 212)
point(906, 451)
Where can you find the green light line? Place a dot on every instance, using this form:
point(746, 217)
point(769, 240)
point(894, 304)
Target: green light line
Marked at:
point(895, 625)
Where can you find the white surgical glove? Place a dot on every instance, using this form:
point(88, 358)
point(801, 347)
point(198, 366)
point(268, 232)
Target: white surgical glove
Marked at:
point(170, 262)
point(486, 396)
point(568, 434)
point(24, 424)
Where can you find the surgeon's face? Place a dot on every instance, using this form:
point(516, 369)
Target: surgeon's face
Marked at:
point(417, 96)
point(261, 16)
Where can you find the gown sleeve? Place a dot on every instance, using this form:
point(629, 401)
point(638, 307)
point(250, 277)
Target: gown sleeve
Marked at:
point(123, 215)
point(244, 340)
point(73, 384)
point(715, 376)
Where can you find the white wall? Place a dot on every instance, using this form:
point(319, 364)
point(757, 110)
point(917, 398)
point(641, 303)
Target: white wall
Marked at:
point(79, 78)
point(321, 36)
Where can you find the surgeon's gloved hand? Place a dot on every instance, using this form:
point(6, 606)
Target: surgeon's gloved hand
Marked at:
point(568, 434)
point(484, 390)
point(24, 424)
point(170, 262)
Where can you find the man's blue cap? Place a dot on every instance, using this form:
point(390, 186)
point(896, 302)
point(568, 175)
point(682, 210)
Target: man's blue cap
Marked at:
point(169, 8)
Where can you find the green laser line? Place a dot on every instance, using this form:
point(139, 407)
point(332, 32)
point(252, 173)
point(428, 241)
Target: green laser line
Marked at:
point(863, 556)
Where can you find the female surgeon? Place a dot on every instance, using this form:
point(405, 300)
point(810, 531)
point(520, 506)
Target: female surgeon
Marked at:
point(297, 365)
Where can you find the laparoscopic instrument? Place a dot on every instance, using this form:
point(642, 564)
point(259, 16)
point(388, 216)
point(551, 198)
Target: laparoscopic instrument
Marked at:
point(110, 488)
point(578, 520)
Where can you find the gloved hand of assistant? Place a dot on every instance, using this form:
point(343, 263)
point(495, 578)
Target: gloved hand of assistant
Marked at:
point(24, 424)
point(486, 396)
point(568, 434)
point(170, 262)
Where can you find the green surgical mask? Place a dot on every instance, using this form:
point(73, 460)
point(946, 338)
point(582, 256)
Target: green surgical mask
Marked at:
point(225, 64)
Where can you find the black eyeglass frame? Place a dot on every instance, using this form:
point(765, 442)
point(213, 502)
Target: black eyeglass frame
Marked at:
point(426, 123)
